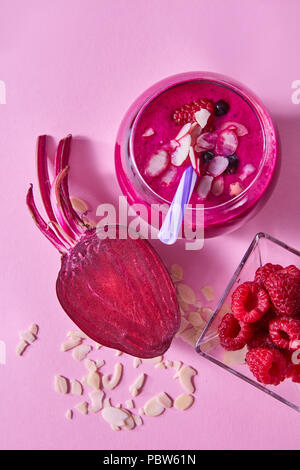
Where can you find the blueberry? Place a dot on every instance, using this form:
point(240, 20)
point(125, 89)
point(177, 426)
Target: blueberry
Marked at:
point(207, 156)
point(233, 164)
point(221, 108)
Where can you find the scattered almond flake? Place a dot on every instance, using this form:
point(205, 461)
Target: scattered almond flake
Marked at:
point(182, 312)
point(84, 381)
point(148, 132)
point(206, 313)
point(169, 176)
point(208, 292)
point(115, 428)
point(184, 324)
point(137, 385)
point(217, 166)
point(235, 189)
point(141, 411)
point(232, 358)
point(209, 345)
point(113, 415)
point(129, 423)
point(28, 336)
point(106, 402)
point(138, 420)
point(183, 401)
point(70, 344)
point(22, 345)
point(160, 365)
point(154, 360)
point(34, 329)
point(176, 272)
point(198, 304)
point(217, 187)
point(196, 319)
point(183, 305)
point(94, 379)
point(247, 171)
point(186, 293)
point(204, 186)
point(136, 362)
point(118, 353)
point(296, 357)
point(202, 117)
point(111, 383)
point(153, 407)
point(182, 151)
point(193, 158)
point(96, 397)
point(177, 365)
point(226, 308)
point(76, 387)
point(76, 334)
point(190, 336)
point(79, 205)
point(61, 384)
point(100, 363)
point(183, 131)
point(157, 163)
point(81, 351)
point(90, 365)
point(165, 400)
point(82, 407)
point(69, 414)
point(185, 375)
point(169, 363)
point(129, 404)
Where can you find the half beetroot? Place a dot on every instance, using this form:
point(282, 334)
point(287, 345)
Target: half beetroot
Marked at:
point(117, 291)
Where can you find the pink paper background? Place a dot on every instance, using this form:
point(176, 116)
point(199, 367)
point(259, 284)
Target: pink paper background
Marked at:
point(75, 66)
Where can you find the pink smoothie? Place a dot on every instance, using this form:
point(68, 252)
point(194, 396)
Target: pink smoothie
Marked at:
point(155, 129)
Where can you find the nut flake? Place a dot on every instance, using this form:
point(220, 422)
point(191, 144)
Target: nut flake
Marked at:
point(82, 407)
point(115, 416)
point(67, 345)
point(28, 336)
point(22, 345)
point(165, 400)
point(186, 293)
point(69, 414)
point(137, 385)
point(81, 351)
point(153, 407)
point(129, 404)
point(136, 362)
point(176, 272)
point(115, 379)
point(90, 365)
point(183, 402)
point(96, 397)
point(34, 329)
point(208, 292)
point(185, 375)
point(233, 358)
point(61, 384)
point(76, 387)
point(94, 379)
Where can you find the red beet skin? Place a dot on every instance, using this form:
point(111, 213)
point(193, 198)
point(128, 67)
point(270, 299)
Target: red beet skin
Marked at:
point(117, 291)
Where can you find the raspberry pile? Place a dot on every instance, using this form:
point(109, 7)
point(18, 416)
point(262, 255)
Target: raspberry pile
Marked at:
point(186, 113)
point(266, 318)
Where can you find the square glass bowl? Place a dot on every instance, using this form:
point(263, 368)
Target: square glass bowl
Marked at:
point(263, 249)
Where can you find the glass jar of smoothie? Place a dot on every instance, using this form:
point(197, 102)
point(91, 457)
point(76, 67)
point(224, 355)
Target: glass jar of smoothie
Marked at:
point(212, 123)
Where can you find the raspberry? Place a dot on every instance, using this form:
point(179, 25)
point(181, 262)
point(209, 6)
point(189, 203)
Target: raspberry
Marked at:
point(293, 372)
point(186, 113)
point(268, 366)
point(262, 273)
point(284, 330)
point(234, 335)
point(261, 339)
point(291, 271)
point(249, 302)
point(284, 292)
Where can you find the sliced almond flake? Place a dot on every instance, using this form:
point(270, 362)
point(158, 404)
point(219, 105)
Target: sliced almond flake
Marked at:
point(196, 319)
point(153, 407)
point(96, 397)
point(235, 189)
point(118, 353)
point(185, 375)
point(233, 358)
point(188, 335)
point(183, 305)
point(208, 292)
point(165, 400)
point(154, 360)
point(182, 312)
point(169, 363)
point(21, 346)
point(34, 328)
point(82, 407)
point(296, 357)
point(81, 351)
point(177, 365)
point(79, 205)
point(141, 411)
point(138, 420)
point(106, 402)
point(137, 385)
point(69, 414)
point(184, 324)
point(209, 345)
point(84, 381)
point(28, 336)
point(67, 345)
point(90, 365)
point(202, 117)
point(176, 272)
point(198, 304)
point(115, 428)
point(94, 379)
point(160, 365)
point(129, 404)
point(136, 362)
point(113, 415)
point(100, 363)
point(61, 384)
point(247, 171)
point(186, 293)
point(76, 334)
point(111, 383)
point(183, 402)
point(206, 313)
point(76, 387)
point(148, 132)
point(129, 423)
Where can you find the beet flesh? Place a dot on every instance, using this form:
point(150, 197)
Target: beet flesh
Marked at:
point(120, 294)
